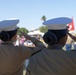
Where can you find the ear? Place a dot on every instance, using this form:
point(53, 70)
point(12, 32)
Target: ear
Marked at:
point(63, 40)
point(14, 38)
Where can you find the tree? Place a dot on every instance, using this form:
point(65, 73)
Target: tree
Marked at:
point(22, 30)
point(43, 18)
point(43, 29)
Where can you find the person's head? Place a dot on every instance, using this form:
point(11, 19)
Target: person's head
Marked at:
point(8, 30)
point(57, 31)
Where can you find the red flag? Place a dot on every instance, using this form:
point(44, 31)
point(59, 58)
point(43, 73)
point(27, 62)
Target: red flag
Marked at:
point(71, 25)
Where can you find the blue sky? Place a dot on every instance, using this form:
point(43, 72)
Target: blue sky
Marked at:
point(30, 11)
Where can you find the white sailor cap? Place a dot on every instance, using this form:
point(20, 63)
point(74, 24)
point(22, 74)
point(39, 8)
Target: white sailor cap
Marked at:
point(57, 23)
point(9, 24)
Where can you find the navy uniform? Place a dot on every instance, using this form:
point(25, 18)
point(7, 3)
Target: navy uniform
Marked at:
point(12, 57)
point(53, 60)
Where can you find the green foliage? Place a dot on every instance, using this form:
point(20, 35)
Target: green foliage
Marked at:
point(22, 30)
point(43, 18)
point(43, 29)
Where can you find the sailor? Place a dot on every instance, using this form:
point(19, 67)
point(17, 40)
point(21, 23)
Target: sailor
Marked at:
point(53, 60)
point(12, 57)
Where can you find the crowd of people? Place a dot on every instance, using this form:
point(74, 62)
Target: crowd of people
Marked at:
point(21, 40)
point(43, 60)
